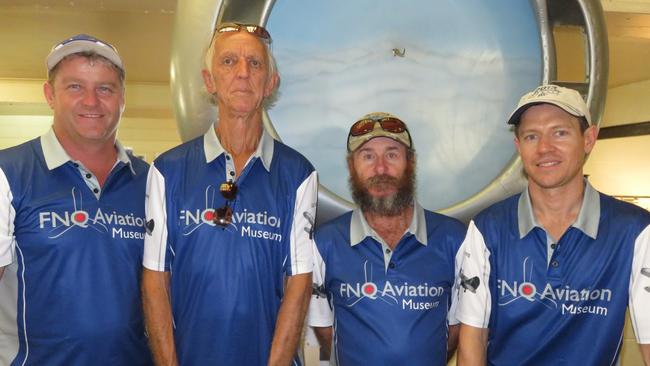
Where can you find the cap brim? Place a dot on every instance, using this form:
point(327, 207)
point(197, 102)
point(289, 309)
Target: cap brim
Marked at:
point(516, 115)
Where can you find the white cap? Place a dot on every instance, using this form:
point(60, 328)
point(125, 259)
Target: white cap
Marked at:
point(568, 99)
point(82, 43)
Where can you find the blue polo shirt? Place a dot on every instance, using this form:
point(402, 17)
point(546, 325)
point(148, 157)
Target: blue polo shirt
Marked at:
point(227, 283)
point(70, 292)
point(389, 307)
point(564, 305)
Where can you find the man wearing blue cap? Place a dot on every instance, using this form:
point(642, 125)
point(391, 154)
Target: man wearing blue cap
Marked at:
point(384, 273)
point(547, 275)
point(72, 223)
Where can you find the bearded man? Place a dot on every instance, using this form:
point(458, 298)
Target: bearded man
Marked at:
point(384, 272)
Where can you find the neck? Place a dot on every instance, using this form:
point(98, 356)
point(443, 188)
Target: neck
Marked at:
point(239, 137)
point(557, 209)
point(98, 158)
point(390, 228)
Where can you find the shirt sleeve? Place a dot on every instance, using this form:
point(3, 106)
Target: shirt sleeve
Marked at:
point(320, 313)
point(474, 297)
point(155, 241)
point(451, 315)
point(640, 287)
point(7, 217)
point(302, 226)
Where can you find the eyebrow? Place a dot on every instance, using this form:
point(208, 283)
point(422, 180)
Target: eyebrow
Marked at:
point(389, 148)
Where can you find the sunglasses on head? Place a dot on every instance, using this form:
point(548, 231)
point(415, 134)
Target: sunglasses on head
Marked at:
point(223, 215)
point(389, 124)
point(254, 29)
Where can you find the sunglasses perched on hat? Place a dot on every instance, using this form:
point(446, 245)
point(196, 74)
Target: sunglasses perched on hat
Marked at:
point(254, 29)
point(378, 124)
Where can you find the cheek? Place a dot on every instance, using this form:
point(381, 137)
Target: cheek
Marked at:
point(363, 170)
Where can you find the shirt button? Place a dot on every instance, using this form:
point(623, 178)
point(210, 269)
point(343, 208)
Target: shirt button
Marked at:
point(227, 157)
point(387, 251)
point(555, 264)
point(391, 265)
point(96, 190)
point(232, 174)
point(553, 246)
point(76, 165)
point(88, 175)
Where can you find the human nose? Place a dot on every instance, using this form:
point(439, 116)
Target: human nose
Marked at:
point(545, 144)
point(380, 166)
point(90, 98)
point(242, 68)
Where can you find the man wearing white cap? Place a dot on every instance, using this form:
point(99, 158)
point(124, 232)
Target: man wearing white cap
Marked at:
point(72, 223)
point(547, 275)
point(384, 272)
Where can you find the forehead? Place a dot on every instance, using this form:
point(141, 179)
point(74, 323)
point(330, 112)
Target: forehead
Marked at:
point(78, 66)
point(381, 144)
point(546, 114)
point(239, 41)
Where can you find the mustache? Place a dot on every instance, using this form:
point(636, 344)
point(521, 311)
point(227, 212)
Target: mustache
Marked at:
point(382, 181)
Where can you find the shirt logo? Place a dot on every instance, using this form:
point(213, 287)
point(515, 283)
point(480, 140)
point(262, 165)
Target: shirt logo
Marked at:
point(545, 90)
point(247, 223)
point(469, 284)
point(149, 226)
point(566, 299)
point(309, 229)
point(413, 297)
point(645, 272)
point(59, 223)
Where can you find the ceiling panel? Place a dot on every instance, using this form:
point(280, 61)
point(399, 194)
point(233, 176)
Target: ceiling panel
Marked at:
point(134, 6)
point(141, 29)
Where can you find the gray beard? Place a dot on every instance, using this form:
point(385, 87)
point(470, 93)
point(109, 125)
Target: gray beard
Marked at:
point(391, 205)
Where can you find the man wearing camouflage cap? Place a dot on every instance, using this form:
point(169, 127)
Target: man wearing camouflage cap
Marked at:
point(384, 272)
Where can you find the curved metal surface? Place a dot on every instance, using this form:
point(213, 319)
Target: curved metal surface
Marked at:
point(598, 48)
point(512, 180)
point(194, 23)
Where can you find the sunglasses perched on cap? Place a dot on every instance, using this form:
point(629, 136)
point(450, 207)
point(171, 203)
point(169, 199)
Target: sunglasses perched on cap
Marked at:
point(84, 37)
point(254, 29)
point(389, 124)
point(223, 215)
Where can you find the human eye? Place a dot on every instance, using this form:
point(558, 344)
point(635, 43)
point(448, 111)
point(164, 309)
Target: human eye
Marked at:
point(255, 63)
point(529, 137)
point(561, 133)
point(105, 90)
point(392, 155)
point(367, 156)
point(73, 87)
point(228, 61)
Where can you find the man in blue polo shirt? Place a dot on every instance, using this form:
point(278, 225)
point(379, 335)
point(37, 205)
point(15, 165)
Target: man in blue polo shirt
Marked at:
point(548, 274)
point(72, 223)
point(228, 258)
point(386, 268)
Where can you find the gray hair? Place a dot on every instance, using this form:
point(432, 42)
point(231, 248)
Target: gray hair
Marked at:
point(272, 67)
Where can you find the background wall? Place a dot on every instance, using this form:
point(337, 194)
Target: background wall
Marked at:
point(141, 31)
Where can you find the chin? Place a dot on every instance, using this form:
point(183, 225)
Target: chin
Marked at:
point(382, 194)
point(549, 184)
